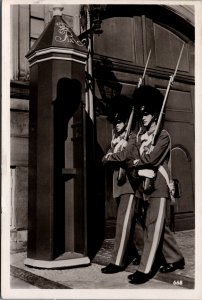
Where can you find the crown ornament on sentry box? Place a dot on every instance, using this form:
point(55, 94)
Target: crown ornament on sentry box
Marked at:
point(57, 10)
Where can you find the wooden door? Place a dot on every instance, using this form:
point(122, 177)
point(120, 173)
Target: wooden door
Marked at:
point(120, 54)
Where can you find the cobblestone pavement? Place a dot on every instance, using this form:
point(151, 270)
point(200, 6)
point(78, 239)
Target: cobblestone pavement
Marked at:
point(90, 277)
point(185, 240)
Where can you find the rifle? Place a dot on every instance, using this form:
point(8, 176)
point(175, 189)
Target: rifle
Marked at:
point(121, 174)
point(172, 77)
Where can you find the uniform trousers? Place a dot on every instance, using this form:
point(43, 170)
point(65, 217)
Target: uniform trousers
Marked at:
point(154, 229)
point(125, 223)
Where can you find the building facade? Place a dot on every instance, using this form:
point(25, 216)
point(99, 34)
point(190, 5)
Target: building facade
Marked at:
point(119, 52)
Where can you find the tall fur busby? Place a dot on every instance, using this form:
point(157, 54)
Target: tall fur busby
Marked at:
point(148, 97)
point(120, 109)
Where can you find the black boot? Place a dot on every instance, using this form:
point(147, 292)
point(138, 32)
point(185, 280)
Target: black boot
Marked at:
point(130, 277)
point(139, 277)
point(167, 268)
point(111, 268)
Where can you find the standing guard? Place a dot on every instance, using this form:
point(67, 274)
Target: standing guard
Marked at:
point(123, 192)
point(153, 167)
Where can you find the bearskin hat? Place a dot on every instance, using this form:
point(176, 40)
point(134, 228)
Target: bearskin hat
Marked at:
point(148, 98)
point(120, 109)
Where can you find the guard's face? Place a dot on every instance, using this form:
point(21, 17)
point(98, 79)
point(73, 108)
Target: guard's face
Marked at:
point(146, 119)
point(119, 126)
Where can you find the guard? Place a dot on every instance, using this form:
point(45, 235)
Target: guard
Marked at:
point(125, 196)
point(153, 167)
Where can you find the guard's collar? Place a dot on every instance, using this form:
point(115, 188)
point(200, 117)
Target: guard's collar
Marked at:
point(149, 131)
point(151, 128)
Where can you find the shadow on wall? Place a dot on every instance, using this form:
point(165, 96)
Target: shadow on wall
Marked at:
point(108, 86)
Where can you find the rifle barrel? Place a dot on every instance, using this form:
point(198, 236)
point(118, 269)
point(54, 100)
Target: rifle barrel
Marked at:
point(166, 96)
point(178, 61)
point(146, 64)
point(132, 112)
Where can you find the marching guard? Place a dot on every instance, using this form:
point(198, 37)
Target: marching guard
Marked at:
point(123, 192)
point(153, 167)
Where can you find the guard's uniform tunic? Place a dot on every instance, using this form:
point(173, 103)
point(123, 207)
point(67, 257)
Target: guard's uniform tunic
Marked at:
point(125, 215)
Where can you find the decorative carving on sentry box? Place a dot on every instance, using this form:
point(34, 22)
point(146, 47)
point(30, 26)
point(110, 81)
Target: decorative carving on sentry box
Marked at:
point(67, 35)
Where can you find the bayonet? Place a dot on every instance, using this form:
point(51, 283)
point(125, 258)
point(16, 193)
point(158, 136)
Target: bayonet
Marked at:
point(172, 77)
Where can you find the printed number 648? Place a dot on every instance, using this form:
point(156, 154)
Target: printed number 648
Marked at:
point(177, 282)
